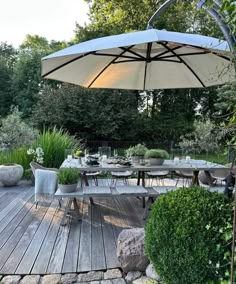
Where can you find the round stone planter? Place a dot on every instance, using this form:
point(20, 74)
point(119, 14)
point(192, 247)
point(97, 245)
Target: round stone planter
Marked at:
point(155, 162)
point(67, 188)
point(10, 174)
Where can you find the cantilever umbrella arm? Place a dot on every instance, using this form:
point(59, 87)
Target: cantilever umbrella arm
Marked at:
point(210, 10)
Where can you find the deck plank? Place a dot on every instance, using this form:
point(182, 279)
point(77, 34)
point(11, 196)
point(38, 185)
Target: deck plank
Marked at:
point(84, 261)
point(97, 249)
point(43, 258)
point(35, 243)
point(15, 238)
point(14, 214)
point(72, 250)
point(57, 257)
point(109, 238)
point(9, 228)
point(19, 198)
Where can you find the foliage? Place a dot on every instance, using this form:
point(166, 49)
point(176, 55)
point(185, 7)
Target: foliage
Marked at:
point(54, 142)
point(17, 156)
point(14, 132)
point(226, 110)
point(205, 137)
point(137, 150)
point(68, 176)
point(188, 236)
point(156, 154)
point(36, 154)
point(78, 153)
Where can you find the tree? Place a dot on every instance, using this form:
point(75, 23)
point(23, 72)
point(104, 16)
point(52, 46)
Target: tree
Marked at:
point(7, 60)
point(92, 114)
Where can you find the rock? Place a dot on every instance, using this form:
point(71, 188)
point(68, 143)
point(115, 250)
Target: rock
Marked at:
point(30, 279)
point(112, 274)
point(0, 277)
point(145, 280)
point(106, 282)
point(133, 275)
point(69, 278)
point(90, 276)
point(118, 281)
point(11, 279)
point(131, 251)
point(151, 272)
point(51, 279)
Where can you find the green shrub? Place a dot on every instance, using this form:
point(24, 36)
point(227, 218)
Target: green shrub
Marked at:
point(68, 176)
point(156, 154)
point(187, 235)
point(137, 150)
point(54, 142)
point(14, 132)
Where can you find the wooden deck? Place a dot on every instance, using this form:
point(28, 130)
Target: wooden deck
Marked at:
point(33, 242)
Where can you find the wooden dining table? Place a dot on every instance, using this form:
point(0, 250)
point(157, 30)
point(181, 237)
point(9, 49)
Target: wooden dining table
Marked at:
point(169, 165)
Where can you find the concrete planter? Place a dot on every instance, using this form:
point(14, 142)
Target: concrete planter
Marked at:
point(155, 162)
point(67, 188)
point(10, 174)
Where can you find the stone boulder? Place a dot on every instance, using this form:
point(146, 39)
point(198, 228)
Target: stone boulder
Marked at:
point(131, 251)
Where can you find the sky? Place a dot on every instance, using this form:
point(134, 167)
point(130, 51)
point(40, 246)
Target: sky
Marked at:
point(53, 19)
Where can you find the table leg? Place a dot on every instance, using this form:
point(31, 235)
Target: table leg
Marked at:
point(85, 180)
point(139, 178)
point(209, 178)
point(66, 211)
point(195, 180)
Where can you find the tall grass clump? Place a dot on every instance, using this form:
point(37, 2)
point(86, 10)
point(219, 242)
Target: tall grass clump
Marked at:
point(54, 142)
point(17, 156)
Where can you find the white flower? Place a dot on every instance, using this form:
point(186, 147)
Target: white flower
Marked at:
point(37, 154)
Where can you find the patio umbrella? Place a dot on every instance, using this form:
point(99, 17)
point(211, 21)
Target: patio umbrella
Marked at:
point(150, 59)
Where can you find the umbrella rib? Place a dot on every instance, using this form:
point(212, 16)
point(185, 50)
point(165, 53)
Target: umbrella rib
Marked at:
point(164, 52)
point(111, 62)
point(148, 60)
point(133, 52)
point(140, 60)
point(181, 59)
point(115, 55)
point(64, 64)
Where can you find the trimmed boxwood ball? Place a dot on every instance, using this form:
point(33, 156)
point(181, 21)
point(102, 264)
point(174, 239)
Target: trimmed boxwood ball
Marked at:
point(187, 236)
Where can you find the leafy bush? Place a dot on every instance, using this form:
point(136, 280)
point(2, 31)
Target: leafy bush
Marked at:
point(54, 142)
point(206, 137)
point(137, 150)
point(68, 176)
point(188, 236)
point(156, 154)
point(14, 132)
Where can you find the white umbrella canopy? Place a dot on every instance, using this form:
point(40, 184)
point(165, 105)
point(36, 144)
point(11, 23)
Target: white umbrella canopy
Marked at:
point(143, 60)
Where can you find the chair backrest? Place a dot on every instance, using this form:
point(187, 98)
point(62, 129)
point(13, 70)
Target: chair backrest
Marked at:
point(35, 166)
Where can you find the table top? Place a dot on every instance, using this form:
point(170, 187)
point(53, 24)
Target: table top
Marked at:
point(168, 165)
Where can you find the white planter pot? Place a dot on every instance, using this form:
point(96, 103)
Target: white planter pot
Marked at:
point(10, 174)
point(155, 162)
point(67, 188)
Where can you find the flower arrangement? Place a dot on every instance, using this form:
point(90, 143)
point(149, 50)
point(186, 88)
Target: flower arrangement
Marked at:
point(78, 153)
point(36, 154)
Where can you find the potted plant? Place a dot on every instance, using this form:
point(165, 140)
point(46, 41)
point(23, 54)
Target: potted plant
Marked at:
point(68, 179)
point(156, 156)
point(78, 154)
point(136, 152)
